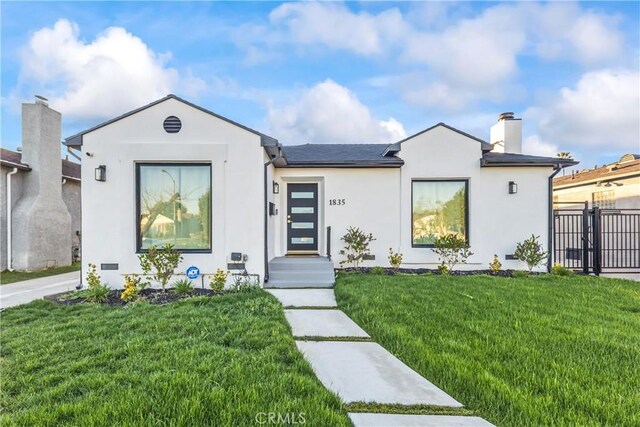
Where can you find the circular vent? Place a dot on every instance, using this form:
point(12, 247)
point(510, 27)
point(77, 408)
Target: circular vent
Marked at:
point(172, 124)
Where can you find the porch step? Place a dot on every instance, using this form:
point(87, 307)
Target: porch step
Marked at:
point(300, 272)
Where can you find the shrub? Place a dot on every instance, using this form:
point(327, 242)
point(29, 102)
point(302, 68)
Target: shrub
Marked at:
point(452, 250)
point(182, 287)
point(160, 263)
point(218, 280)
point(377, 270)
point(519, 274)
point(443, 269)
point(96, 290)
point(395, 260)
point(531, 252)
point(132, 287)
point(559, 270)
point(356, 246)
point(495, 266)
point(243, 283)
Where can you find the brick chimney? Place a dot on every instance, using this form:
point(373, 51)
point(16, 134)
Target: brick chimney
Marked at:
point(41, 221)
point(506, 135)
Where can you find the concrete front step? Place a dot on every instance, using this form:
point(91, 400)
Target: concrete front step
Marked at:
point(300, 272)
point(301, 275)
point(305, 297)
point(296, 284)
point(408, 420)
point(366, 372)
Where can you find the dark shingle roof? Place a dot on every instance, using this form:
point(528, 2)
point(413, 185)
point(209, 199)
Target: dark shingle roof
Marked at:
point(603, 173)
point(13, 159)
point(339, 155)
point(76, 140)
point(510, 159)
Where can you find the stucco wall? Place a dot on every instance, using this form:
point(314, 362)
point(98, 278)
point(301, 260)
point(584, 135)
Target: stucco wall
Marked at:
point(71, 194)
point(626, 192)
point(108, 212)
point(16, 193)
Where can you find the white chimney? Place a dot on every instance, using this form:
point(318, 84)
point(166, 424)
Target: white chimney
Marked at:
point(506, 135)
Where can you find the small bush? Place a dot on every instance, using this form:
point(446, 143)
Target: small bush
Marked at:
point(452, 250)
point(182, 287)
point(356, 246)
point(443, 269)
point(559, 270)
point(378, 270)
point(519, 274)
point(96, 291)
point(132, 288)
point(160, 263)
point(218, 280)
point(495, 266)
point(395, 259)
point(531, 252)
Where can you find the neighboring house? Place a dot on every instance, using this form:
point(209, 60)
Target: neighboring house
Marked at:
point(173, 172)
point(41, 216)
point(612, 186)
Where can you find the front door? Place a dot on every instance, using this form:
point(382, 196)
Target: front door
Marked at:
point(302, 218)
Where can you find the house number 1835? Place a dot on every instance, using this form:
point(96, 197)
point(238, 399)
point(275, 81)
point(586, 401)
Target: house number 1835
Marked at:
point(337, 202)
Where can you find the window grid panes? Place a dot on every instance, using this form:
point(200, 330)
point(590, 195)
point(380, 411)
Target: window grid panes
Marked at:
point(302, 195)
point(439, 208)
point(302, 240)
point(174, 206)
point(302, 210)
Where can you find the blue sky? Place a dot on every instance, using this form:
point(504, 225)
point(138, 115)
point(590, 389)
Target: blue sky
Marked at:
point(338, 72)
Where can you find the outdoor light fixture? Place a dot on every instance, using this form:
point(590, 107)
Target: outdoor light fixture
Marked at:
point(513, 187)
point(101, 173)
point(276, 188)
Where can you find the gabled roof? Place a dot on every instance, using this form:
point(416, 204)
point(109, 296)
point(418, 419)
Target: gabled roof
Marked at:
point(627, 166)
point(13, 159)
point(510, 159)
point(339, 155)
point(76, 140)
point(484, 144)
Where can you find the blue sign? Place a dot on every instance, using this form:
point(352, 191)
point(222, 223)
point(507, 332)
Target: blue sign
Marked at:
point(193, 272)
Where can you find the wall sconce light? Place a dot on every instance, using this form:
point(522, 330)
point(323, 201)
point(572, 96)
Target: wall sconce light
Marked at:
point(513, 187)
point(276, 188)
point(101, 173)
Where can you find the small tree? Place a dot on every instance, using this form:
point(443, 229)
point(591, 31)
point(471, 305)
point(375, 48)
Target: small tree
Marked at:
point(452, 250)
point(495, 266)
point(160, 263)
point(395, 260)
point(356, 246)
point(531, 252)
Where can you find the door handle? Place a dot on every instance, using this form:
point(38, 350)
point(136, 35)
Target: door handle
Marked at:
point(288, 221)
point(288, 216)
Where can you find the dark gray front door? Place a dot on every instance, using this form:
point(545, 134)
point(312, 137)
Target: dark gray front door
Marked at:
point(302, 217)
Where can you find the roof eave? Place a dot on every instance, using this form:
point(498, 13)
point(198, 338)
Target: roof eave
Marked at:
point(530, 163)
point(343, 164)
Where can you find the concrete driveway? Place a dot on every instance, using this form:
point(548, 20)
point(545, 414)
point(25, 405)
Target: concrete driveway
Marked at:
point(28, 290)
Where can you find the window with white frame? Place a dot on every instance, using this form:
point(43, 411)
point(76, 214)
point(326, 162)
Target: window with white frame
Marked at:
point(604, 199)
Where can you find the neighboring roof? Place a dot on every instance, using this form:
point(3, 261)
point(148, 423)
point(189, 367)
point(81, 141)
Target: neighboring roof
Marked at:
point(13, 159)
point(484, 144)
point(510, 159)
point(628, 165)
point(339, 155)
point(76, 140)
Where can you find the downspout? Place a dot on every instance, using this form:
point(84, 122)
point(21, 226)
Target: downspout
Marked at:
point(9, 218)
point(266, 214)
point(556, 170)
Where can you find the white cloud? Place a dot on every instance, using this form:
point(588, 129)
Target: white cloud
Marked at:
point(535, 146)
point(330, 113)
point(108, 76)
point(603, 110)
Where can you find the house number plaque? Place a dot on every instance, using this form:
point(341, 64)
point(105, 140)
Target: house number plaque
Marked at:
point(337, 202)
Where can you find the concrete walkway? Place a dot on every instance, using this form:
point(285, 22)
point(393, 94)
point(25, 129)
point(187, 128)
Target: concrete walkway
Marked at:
point(26, 291)
point(361, 371)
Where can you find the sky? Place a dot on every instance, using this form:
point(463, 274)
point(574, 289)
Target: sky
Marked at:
point(332, 72)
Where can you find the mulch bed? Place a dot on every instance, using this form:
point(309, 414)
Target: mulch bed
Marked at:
point(389, 271)
point(152, 296)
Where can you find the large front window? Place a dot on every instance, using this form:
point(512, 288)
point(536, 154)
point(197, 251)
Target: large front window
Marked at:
point(439, 208)
point(174, 206)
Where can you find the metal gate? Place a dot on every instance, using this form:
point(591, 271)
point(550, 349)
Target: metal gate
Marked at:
point(597, 240)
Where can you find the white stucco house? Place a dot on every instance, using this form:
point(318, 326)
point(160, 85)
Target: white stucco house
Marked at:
point(173, 172)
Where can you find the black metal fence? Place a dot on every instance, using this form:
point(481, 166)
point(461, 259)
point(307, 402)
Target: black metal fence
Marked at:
point(597, 240)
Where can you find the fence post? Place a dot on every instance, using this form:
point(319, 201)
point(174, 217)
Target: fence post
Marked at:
point(585, 238)
point(597, 242)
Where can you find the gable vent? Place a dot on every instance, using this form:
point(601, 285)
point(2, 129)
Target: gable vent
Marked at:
point(172, 124)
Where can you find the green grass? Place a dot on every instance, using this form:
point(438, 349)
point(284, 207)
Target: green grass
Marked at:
point(203, 361)
point(519, 352)
point(7, 276)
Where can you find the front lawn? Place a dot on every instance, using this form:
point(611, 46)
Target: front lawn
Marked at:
point(203, 361)
point(536, 351)
point(7, 276)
